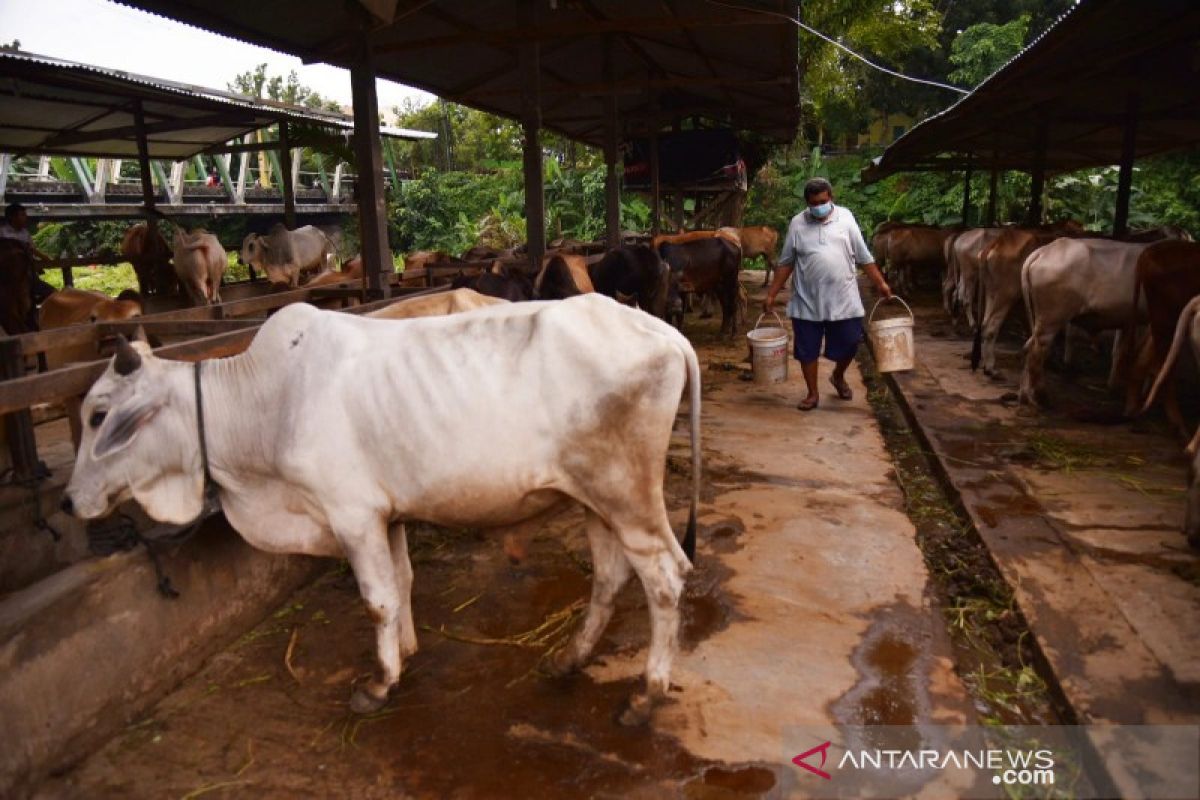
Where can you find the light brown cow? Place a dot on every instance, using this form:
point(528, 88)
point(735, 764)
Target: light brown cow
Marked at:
point(351, 271)
point(1000, 285)
point(967, 252)
point(79, 306)
point(455, 301)
point(728, 234)
point(912, 249)
point(577, 266)
point(200, 261)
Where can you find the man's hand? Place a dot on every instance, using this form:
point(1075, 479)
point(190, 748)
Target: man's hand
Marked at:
point(769, 303)
point(885, 290)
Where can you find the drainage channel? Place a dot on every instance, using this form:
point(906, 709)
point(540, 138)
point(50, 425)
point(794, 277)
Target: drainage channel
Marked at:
point(995, 654)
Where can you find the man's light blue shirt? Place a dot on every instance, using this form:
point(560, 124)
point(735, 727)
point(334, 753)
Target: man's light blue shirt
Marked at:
point(824, 254)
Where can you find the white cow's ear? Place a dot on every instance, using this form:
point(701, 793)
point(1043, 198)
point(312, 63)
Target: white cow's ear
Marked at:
point(122, 427)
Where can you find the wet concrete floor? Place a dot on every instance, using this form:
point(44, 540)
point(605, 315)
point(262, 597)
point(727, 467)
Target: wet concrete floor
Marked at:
point(808, 606)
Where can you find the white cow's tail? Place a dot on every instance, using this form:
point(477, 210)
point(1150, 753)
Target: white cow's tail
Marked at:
point(1027, 292)
point(693, 374)
point(1168, 365)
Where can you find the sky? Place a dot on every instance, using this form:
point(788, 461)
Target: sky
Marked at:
point(102, 33)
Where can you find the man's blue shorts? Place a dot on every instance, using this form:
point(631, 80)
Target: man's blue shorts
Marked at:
point(841, 338)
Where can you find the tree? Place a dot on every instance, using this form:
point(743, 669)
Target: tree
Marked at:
point(982, 49)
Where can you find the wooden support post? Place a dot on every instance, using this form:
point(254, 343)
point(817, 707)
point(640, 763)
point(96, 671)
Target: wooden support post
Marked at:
point(655, 186)
point(1128, 154)
point(1038, 175)
point(176, 186)
point(372, 202)
point(993, 194)
point(19, 424)
point(966, 201)
point(531, 126)
point(336, 191)
point(285, 177)
point(147, 177)
point(612, 188)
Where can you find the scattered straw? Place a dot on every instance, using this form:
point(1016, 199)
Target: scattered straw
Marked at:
point(287, 656)
point(467, 603)
point(543, 635)
point(212, 787)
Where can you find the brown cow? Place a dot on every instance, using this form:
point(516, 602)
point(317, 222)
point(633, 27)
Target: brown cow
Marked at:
point(16, 277)
point(78, 306)
point(708, 265)
point(200, 262)
point(1168, 272)
point(151, 260)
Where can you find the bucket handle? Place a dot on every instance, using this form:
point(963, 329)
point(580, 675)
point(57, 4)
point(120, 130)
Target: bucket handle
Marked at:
point(895, 297)
point(774, 314)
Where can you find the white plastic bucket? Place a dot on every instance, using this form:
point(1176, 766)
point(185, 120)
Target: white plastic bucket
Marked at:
point(769, 352)
point(892, 340)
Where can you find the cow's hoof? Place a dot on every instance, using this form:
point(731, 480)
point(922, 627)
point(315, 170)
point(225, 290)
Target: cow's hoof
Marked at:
point(364, 701)
point(560, 664)
point(637, 713)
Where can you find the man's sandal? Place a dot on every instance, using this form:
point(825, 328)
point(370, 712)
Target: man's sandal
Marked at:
point(808, 404)
point(843, 389)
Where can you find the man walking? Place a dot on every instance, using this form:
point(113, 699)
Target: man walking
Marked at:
point(822, 247)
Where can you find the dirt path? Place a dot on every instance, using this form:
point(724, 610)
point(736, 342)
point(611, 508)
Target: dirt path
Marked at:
point(809, 605)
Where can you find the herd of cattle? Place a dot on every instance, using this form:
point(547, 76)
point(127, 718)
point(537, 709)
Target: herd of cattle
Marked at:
point(1148, 281)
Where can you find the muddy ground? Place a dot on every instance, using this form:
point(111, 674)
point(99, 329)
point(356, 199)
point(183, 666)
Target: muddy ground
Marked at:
point(811, 604)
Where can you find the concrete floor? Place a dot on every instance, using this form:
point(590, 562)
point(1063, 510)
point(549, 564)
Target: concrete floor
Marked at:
point(808, 606)
point(1082, 512)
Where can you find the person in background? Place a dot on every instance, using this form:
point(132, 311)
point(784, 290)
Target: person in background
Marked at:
point(16, 227)
point(213, 178)
point(822, 246)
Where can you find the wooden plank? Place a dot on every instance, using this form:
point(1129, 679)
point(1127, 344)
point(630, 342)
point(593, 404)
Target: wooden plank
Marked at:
point(175, 327)
point(612, 189)
point(285, 177)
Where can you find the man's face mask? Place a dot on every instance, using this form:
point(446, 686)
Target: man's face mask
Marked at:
point(821, 211)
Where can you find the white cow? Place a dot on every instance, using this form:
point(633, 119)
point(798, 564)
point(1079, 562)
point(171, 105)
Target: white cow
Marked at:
point(1085, 282)
point(283, 255)
point(967, 254)
point(516, 410)
point(200, 262)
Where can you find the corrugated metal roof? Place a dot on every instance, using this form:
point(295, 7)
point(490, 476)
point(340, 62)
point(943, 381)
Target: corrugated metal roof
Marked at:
point(730, 62)
point(50, 105)
point(1076, 78)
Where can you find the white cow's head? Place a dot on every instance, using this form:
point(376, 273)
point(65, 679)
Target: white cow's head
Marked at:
point(254, 247)
point(139, 441)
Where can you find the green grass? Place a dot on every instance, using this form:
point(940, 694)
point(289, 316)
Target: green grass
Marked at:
point(110, 280)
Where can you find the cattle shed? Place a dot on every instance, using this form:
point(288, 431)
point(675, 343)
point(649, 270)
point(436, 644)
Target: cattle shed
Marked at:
point(50, 106)
point(591, 70)
point(1110, 81)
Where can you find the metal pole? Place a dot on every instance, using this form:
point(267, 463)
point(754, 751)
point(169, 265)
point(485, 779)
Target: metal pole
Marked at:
point(612, 190)
point(531, 124)
point(368, 156)
point(1128, 153)
point(285, 177)
point(1038, 175)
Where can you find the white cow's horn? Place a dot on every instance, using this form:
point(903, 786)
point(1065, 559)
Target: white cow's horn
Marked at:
point(127, 359)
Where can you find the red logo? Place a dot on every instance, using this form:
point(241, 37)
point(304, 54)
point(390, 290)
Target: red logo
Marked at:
point(823, 750)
